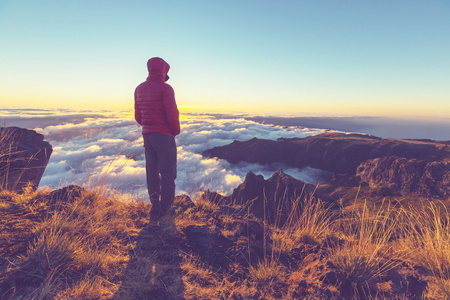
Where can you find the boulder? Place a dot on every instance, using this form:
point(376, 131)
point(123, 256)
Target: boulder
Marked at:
point(23, 157)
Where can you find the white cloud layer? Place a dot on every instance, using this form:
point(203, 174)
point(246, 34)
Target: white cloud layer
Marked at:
point(109, 150)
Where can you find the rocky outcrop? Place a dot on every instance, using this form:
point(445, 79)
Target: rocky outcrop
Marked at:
point(335, 152)
point(272, 199)
point(23, 157)
point(407, 176)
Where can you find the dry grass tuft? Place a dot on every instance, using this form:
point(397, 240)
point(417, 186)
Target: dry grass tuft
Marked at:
point(429, 232)
point(309, 222)
point(266, 271)
point(206, 206)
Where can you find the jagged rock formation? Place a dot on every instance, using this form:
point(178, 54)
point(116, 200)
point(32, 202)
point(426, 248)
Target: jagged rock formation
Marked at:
point(272, 199)
point(403, 167)
point(407, 176)
point(23, 157)
point(334, 152)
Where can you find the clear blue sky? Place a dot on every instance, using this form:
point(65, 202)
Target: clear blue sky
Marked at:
point(321, 57)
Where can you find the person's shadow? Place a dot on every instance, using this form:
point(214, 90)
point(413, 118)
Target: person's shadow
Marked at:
point(153, 271)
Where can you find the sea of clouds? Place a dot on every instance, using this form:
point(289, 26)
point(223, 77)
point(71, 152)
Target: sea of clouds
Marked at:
point(105, 148)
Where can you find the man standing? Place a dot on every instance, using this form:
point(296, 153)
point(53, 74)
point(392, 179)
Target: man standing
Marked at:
point(156, 111)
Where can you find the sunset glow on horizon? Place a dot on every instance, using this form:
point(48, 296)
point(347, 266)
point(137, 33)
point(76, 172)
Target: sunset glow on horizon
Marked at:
point(257, 57)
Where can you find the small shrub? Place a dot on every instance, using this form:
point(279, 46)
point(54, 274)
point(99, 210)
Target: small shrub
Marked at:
point(206, 206)
point(266, 271)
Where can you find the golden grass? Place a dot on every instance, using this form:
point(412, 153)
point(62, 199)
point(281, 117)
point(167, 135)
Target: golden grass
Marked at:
point(429, 233)
point(93, 247)
point(266, 271)
point(368, 232)
point(206, 206)
point(310, 226)
point(78, 241)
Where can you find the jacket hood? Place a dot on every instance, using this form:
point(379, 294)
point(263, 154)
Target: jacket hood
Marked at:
point(157, 68)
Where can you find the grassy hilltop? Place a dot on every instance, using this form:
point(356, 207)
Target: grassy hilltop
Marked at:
point(78, 244)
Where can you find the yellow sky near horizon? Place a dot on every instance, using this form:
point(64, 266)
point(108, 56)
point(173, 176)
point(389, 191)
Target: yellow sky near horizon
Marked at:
point(378, 109)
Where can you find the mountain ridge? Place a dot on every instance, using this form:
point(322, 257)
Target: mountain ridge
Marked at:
point(350, 155)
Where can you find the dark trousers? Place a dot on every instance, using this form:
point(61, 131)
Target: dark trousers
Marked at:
point(161, 168)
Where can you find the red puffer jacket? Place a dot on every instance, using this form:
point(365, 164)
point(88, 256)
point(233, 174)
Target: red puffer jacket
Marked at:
point(154, 101)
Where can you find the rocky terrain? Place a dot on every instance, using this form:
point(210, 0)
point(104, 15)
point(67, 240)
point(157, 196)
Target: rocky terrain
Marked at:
point(407, 167)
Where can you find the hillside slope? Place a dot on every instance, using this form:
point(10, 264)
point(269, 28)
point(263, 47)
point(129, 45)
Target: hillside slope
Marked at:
point(77, 244)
